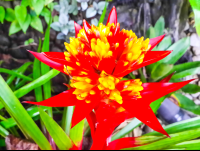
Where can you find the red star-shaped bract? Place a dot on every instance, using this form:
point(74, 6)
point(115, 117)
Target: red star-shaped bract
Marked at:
point(89, 60)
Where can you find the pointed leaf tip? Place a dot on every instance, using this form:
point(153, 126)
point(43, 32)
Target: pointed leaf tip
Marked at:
point(112, 16)
point(77, 28)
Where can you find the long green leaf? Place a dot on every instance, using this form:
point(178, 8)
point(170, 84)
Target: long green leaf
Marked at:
point(60, 138)
point(37, 74)
point(196, 9)
point(191, 88)
point(76, 133)
point(24, 121)
point(159, 26)
point(175, 138)
point(20, 70)
point(187, 104)
point(179, 127)
point(22, 82)
point(16, 74)
point(67, 118)
point(45, 69)
point(103, 14)
point(179, 48)
point(36, 83)
point(165, 43)
point(3, 132)
point(32, 111)
point(188, 145)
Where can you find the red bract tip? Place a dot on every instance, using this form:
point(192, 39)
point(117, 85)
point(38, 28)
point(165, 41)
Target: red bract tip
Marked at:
point(112, 16)
point(77, 28)
point(86, 25)
point(155, 41)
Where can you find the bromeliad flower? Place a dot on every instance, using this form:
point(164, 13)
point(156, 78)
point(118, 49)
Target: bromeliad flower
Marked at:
point(96, 60)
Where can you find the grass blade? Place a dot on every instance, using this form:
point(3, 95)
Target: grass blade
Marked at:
point(103, 14)
point(36, 83)
point(24, 121)
point(3, 132)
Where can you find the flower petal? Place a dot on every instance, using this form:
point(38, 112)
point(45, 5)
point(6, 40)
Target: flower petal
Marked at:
point(77, 28)
point(150, 57)
point(155, 41)
point(58, 57)
point(142, 111)
point(112, 16)
point(167, 78)
point(66, 98)
point(91, 118)
point(122, 143)
point(49, 62)
point(86, 25)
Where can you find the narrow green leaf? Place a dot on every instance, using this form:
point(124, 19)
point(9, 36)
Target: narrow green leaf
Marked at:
point(159, 26)
point(1, 106)
point(37, 74)
point(38, 6)
point(76, 133)
point(160, 71)
point(188, 145)
point(45, 68)
point(2, 14)
point(21, 14)
point(20, 70)
point(36, 23)
point(196, 9)
point(22, 82)
point(191, 88)
point(16, 74)
point(67, 118)
point(36, 83)
point(186, 73)
point(32, 111)
point(179, 127)
point(187, 104)
point(103, 14)
point(14, 27)
point(3, 132)
point(24, 121)
point(175, 138)
point(165, 43)
point(60, 138)
point(179, 48)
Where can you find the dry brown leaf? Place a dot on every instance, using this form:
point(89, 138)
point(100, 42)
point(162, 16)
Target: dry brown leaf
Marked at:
point(14, 143)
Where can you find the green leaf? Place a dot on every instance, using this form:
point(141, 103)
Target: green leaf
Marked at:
point(48, 2)
point(165, 43)
point(2, 14)
point(25, 2)
point(187, 104)
point(151, 33)
point(196, 9)
point(60, 138)
point(188, 145)
point(46, 14)
point(32, 111)
point(15, 73)
point(45, 68)
point(185, 73)
point(175, 138)
point(67, 118)
point(159, 26)
point(36, 83)
point(103, 14)
point(160, 71)
point(76, 133)
point(38, 6)
point(36, 24)
point(3, 132)
point(179, 127)
point(191, 88)
point(179, 48)
point(37, 74)
point(24, 121)
point(14, 27)
point(10, 14)
point(26, 23)
point(2, 143)
point(20, 70)
point(21, 14)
